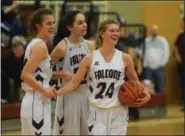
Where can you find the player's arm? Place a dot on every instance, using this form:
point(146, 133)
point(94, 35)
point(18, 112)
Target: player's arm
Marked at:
point(78, 77)
point(129, 67)
point(131, 74)
point(59, 52)
point(38, 53)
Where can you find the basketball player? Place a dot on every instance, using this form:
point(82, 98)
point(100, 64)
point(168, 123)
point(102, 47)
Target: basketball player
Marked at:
point(36, 74)
point(71, 110)
point(107, 68)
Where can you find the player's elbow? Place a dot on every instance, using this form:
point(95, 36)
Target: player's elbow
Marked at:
point(24, 75)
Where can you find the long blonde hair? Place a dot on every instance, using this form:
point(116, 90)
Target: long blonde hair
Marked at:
point(102, 27)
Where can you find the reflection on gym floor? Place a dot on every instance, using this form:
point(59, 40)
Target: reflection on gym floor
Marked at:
point(172, 124)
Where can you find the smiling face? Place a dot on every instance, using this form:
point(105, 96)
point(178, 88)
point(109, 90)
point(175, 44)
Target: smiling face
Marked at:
point(79, 25)
point(47, 26)
point(111, 34)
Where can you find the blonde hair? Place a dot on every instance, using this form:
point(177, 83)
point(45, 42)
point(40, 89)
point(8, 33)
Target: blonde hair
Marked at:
point(102, 27)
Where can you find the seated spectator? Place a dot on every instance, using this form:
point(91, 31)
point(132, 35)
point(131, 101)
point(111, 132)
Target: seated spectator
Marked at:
point(126, 39)
point(155, 59)
point(11, 67)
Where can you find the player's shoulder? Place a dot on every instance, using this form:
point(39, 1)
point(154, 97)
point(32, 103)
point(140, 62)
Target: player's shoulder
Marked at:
point(63, 42)
point(39, 45)
point(126, 58)
point(94, 54)
point(62, 45)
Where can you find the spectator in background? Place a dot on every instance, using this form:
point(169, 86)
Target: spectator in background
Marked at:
point(19, 39)
point(140, 42)
point(137, 61)
point(179, 50)
point(9, 17)
point(155, 59)
point(11, 67)
point(133, 111)
point(126, 39)
point(149, 86)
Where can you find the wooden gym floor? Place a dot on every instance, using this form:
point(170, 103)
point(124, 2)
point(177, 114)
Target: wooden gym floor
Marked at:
point(172, 124)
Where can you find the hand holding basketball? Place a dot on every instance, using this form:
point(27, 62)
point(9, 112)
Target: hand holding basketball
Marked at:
point(132, 94)
point(145, 99)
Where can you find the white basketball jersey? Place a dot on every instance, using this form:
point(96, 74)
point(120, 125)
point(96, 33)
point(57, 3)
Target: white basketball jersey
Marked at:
point(105, 79)
point(72, 59)
point(43, 73)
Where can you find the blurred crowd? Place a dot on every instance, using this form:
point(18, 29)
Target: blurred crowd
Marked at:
point(150, 54)
point(13, 43)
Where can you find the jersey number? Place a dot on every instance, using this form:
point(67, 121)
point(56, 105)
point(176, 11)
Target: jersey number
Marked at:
point(83, 81)
point(109, 91)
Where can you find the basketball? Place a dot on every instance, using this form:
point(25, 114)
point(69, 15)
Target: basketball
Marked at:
point(130, 91)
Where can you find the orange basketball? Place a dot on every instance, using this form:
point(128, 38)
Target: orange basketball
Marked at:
point(130, 91)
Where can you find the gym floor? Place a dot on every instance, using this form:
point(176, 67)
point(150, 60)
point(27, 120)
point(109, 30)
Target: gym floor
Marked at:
point(172, 124)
